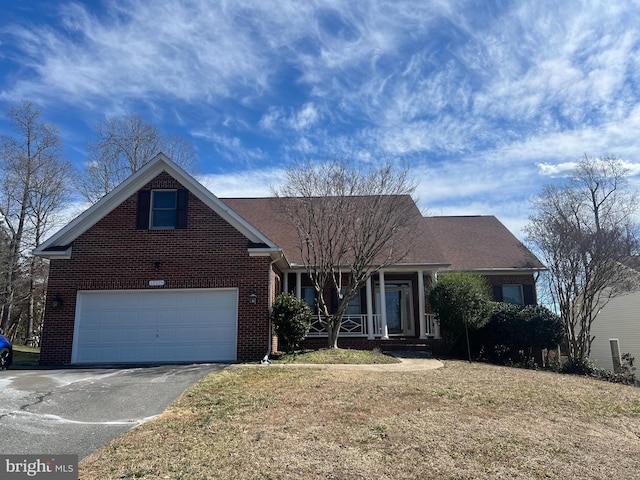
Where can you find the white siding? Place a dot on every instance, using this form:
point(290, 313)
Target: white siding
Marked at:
point(620, 319)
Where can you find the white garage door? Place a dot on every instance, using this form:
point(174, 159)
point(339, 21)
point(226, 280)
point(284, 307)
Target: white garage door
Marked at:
point(156, 326)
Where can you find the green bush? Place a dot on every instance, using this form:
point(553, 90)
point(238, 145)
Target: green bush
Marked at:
point(462, 304)
point(586, 367)
point(583, 367)
point(542, 327)
point(514, 334)
point(291, 318)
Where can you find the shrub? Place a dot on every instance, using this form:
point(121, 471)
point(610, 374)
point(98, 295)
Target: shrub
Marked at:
point(542, 327)
point(461, 303)
point(291, 318)
point(584, 367)
point(500, 339)
point(515, 334)
point(628, 369)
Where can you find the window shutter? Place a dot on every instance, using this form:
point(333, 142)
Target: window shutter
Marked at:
point(528, 293)
point(182, 201)
point(144, 203)
point(497, 293)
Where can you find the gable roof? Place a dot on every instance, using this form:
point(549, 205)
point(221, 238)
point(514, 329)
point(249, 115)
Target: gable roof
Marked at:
point(59, 244)
point(269, 216)
point(453, 243)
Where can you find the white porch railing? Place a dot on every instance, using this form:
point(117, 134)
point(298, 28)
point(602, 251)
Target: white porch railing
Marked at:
point(356, 326)
point(352, 326)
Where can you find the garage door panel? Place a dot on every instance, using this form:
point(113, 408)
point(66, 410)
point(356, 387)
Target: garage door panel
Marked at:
point(156, 326)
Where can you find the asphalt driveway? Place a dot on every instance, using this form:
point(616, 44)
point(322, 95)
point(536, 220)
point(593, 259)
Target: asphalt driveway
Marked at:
point(76, 411)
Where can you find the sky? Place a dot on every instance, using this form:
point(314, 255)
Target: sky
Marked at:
point(484, 101)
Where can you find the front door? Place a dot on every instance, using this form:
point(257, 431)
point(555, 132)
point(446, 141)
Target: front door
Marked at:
point(399, 307)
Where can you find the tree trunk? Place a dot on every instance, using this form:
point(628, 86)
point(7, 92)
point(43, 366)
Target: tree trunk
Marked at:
point(333, 330)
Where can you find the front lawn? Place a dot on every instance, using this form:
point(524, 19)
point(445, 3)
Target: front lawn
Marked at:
point(25, 355)
point(338, 356)
point(463, 421)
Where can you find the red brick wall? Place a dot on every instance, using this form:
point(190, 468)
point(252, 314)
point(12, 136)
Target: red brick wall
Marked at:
point(113, 255)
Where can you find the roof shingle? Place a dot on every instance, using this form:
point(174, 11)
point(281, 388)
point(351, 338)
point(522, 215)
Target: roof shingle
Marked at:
point(462, 243)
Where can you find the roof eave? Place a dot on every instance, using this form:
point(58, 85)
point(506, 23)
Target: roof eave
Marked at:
point(395, 266)
point(502, 270)
point(64, 254)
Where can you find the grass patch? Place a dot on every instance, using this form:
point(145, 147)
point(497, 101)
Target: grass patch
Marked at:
point(25, 355)
point(338, 356)
point(463, 421)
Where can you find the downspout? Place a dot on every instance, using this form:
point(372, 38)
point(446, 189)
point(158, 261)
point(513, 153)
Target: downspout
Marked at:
point(265, 360)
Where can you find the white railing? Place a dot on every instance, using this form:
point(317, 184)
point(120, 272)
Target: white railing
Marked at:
point(352, 326)
point(433, 328)
point(356, 326)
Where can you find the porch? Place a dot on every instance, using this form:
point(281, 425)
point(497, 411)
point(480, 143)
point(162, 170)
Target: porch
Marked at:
point(392, 305)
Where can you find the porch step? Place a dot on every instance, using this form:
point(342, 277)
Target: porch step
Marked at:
point(406, 348)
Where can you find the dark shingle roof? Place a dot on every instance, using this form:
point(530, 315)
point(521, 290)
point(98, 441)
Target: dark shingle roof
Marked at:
point(480, 243)
point(464, 243)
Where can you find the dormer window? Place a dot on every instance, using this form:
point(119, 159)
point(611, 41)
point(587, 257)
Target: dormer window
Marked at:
point(162, 209)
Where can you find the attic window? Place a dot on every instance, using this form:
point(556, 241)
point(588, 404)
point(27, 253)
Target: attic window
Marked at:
point(162, 209)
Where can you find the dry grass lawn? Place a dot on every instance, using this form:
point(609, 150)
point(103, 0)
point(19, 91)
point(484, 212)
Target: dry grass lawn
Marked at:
point(463, 421)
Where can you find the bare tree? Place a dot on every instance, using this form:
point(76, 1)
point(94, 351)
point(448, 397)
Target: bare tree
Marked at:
point(32, 190)
point(351, 222)
point(50, 188)
point(585, 232)
point(122, 145)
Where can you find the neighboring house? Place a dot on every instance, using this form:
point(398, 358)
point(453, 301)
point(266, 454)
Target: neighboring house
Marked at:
point(161, 270)
point(618, 323)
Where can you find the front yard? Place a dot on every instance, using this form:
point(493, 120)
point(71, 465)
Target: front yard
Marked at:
point(463, 421)
point(23, 355)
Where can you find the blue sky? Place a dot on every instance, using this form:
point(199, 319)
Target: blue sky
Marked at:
point(484, 101)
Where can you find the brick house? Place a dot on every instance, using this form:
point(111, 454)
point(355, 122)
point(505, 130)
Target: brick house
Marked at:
point(161, 270)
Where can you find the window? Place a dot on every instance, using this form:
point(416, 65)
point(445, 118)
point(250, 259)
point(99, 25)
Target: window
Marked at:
point(353, 308)
point(512, 294)
point(162, 209)
point(309, 296)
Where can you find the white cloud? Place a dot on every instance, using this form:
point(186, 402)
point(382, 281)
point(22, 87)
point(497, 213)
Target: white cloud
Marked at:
point(559, 169)
point(247, 183)
point(278, 119)
point(307, 117)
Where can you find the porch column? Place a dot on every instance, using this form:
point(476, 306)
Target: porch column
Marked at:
point(285, 282)
point(423, 317)
point(436, 325)
point(370, 329)
point(383, 306)
point(299, 284)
